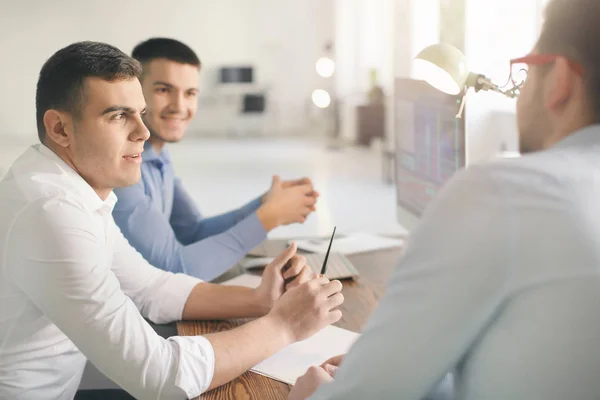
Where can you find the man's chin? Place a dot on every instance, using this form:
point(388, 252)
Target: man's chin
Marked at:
point(170, 137)
point(130, 179)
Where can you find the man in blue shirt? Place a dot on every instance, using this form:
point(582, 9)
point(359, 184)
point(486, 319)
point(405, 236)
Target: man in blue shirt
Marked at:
point(157, 215)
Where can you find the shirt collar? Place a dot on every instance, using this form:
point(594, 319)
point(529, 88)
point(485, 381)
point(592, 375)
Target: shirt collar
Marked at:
point(76, 182)
point(150, 155)
point(588, 136)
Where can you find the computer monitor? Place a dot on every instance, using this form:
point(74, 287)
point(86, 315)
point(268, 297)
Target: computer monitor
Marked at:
point(430, 146)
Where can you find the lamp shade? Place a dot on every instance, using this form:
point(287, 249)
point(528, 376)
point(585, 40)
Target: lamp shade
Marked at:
point(442, 66)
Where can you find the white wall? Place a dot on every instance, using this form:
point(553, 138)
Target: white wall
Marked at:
point(365, 33)
point(362, 43)
point(496, 32)
point(282, 38)
point(415, 25)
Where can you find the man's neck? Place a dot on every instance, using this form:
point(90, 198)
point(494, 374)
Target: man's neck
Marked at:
point(157, 144)
point(565, 131)
point(63, 155)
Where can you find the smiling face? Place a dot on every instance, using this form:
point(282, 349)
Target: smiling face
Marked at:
point(171, 92)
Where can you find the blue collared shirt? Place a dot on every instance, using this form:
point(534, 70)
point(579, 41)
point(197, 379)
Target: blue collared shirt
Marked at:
point(161, 221)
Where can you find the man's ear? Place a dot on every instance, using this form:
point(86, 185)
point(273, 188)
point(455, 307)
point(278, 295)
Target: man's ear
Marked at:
point(560, 84)
point(59, 127)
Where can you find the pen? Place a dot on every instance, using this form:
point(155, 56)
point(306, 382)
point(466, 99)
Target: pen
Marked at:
point(324, 267)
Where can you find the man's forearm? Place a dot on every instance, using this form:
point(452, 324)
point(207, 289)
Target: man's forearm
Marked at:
point(238, 350)
point(210, 301)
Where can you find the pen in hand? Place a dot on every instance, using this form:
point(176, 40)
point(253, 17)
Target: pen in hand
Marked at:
point(324, 267)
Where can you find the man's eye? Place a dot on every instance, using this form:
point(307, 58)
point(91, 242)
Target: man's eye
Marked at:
point(162, 90)
point(118, 116)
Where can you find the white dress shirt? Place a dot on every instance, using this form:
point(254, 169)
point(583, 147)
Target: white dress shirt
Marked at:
point(501, 282)
point(71, 288)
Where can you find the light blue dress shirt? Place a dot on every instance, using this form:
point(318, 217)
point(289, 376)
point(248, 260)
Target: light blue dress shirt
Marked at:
point(500, 282)
point(161, 221)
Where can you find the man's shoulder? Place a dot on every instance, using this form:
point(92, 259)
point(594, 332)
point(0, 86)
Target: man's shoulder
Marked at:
point(34, 177)
point(517, 183)
point(504, 177)
point(539, 171)
point(35, 183)
point(48, 210)
point(19, 193)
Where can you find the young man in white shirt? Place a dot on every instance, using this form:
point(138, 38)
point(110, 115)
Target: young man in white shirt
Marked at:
point(71, 286)
point(501, 281)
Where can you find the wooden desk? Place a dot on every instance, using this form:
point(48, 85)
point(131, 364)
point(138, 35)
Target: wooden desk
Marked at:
point(361, 297)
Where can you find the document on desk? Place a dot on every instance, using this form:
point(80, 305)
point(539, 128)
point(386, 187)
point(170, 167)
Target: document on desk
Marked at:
point(352, 244)
point(292, 362)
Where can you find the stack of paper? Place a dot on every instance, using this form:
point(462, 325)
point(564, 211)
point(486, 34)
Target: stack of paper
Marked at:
point(356, 243)
point(293, 361)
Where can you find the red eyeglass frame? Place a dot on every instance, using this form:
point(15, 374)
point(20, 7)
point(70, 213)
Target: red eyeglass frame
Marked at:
point(543, 59)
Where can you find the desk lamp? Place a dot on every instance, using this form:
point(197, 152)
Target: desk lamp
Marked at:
point(445, 68)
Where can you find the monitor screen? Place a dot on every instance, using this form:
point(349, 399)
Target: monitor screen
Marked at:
point(430, 145)
point(236, 75)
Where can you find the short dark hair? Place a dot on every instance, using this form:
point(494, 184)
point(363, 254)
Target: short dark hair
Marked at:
point(170, 49)
point(571, 29)
point(60, 85)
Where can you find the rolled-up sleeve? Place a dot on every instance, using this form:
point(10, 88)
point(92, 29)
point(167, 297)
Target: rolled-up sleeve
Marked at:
point(93, 294)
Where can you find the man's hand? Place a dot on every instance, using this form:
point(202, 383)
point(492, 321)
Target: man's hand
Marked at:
point(333, 364)
point(308, 383)
point(314, 377)
point(296, 315)
point(301, 182)
point(308, 308)
point(287, 271)
point(287, 202)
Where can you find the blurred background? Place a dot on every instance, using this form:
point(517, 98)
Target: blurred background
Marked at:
point(288, 87)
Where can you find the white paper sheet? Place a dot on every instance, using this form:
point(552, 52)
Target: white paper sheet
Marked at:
point(293, 361)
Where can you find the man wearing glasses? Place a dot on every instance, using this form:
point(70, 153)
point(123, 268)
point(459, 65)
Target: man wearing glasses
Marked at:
point(501, 282)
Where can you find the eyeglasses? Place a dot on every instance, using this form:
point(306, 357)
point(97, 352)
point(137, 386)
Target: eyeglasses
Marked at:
point(520, 66)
